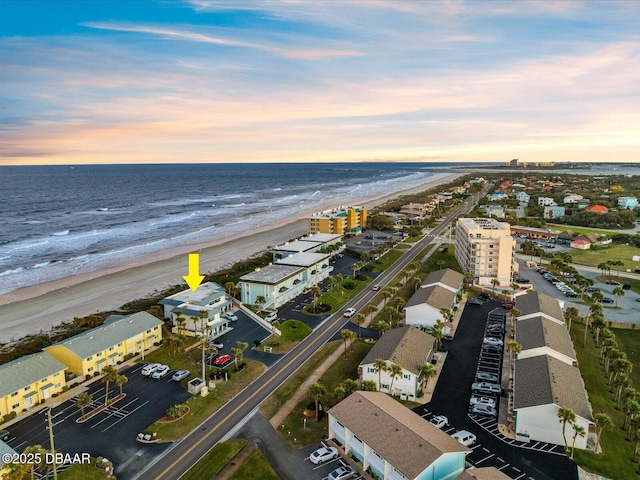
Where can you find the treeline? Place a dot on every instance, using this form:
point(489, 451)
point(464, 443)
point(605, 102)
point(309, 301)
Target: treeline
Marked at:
point(620, 219)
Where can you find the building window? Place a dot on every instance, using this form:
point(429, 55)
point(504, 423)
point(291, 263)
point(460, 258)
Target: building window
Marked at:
point(491, 246)
point(57, 385)
point(14, 394)
point(56, 374)
point(13, 407)
point(89, 358)
point(99, 354)
point(120, 344)
point(44, 379)
point(406, 376)
point(90, 369)
point(27, 388)
point(111, 349)
point(384, 386)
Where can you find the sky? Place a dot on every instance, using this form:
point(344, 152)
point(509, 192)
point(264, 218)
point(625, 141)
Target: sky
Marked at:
point(191, 81)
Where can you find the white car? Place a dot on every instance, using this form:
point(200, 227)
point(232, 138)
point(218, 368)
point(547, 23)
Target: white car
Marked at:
point(323, 454)
point(148, 369)
point(349, 312)
point(492, 341)
point(216, 344)
point(484, 410)
point(486, 388)
point(342, 473)
point(464, 437)
point(273, 316)
point(160, 372)
point(439, 421)
point(480, 400)
point(231, 316)
point(180, 375)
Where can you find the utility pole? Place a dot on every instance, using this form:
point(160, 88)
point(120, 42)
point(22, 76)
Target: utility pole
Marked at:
point(53, 448)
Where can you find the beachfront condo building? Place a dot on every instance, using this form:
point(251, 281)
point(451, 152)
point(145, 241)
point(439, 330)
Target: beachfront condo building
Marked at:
point(86, 354)
point(186, 310)
point(27, 381)
point(340, 221)
point(318, 242)
point(485, 248)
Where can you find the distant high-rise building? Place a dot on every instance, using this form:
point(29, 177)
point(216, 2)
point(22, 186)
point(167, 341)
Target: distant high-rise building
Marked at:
point(340, 221)
point(513, 163)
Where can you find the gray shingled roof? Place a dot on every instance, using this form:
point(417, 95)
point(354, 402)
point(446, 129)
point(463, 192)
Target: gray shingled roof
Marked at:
point(539, 332)
point(402, 437)
point(445, 276)
point(435, 296)
point(24, 371)
point(115, 330)
point(538, 302)
point(484, 473)
point(405, 346)
point(545, 380)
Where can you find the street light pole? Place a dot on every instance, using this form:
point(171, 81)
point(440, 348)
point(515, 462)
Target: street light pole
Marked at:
point(53, 448)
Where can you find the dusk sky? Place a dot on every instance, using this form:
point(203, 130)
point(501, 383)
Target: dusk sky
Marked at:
point(308, 81)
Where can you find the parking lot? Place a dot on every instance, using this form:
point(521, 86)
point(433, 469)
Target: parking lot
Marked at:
point(452, 396)
point(146, 401)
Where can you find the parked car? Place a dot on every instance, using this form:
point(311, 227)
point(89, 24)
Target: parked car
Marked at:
point(626, 286)
point(180, 375)
point(638, 299)
point(439, 421)
point(222, 359)
point(571, 294)
point(148, 369)
point(593, 289)
point(272, 317)
point(521, 280)
point(484, 410)
point(492, 341)
point(607, 300)
point(482, 400)
point(508, 306)
point(484, 296)
point(613, 282)
point(323, 454)
point(349, 312)
point(341, 473)
point(487, 388)
point(160, 372)
point(495, 328)
point(488, 347)
point(231, 316)
point(475, 301)
point(486, 377)
point(4, 435)
point(464, 437)
point(216, 344)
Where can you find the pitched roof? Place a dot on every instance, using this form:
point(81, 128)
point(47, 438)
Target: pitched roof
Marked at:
point(116, 329)
point(538, 302)
point(24, 371)
point(445, 276)
point(402, 437)
point(405, 346)
point(597, 209)
point(484, 473)
point(435, 296)
point(538, 332)
point(545, 380)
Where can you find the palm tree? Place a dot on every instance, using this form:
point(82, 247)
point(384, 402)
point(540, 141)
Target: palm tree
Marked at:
point(570, 314)
point(345, 334)
point(339, 279)
point(182, 322)
point(495, 283)
point(316, 292)
point(352, 336)
point(240, 348)
point(621, 382)
point(602, 422)
point(109, 375)
point(317, 391)
point(382, 327)
point(428, 371)
point(514, 348)
point(356, 267)
point(83, 401)
point(235, 351)
point(230, 287)
point(35, 452)
point(391, 312)
point(381, 366)
point(260, 301)
point(120, 380)
point(579, 432)
point(618, 292)
point(416, 283)
point(468, 278)
point(405, 274)
point(603, 267)
point(386, 294)
point(332, 282)
point(359, 320)
point(631, 411)
point(566, 415)
point(394, 371)
point(371, 309)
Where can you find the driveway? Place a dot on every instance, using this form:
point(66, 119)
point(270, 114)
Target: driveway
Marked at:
point(146, 401)
point(451, 398)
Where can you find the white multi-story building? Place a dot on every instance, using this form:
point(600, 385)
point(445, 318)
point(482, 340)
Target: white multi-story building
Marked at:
point(522, 196)
point(485, 247)
point(546, 201)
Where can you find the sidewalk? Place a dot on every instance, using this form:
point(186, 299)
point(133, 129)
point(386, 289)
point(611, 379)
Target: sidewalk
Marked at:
point(287, 408)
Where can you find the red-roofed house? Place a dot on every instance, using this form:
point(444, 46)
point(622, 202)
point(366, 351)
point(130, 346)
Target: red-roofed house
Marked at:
point(599, 209)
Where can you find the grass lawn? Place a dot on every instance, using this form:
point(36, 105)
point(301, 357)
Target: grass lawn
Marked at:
point(614, 252)
point(440, 260)
point(215, 460)
point(256, 466)
point(413, 239)
point(635, 284)
point(615, 461)
point(278, 398)
point(403, 246)
point(387, 260)
point(293, 331)
point(295, 431)
point(83, 471)
point(202, 407)
point(629, 342)
point(338, 296)
point(580, 230)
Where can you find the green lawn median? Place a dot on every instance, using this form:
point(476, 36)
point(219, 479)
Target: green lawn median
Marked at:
point(215, 460)
point(293, 332)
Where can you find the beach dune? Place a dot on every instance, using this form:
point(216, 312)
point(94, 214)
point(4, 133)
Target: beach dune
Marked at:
point(40, 307)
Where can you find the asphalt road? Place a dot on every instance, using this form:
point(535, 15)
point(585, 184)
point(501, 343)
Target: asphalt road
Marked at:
point(451, 398)
point(184, 453)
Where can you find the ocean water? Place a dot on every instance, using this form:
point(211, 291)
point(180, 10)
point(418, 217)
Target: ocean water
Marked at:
point(58, 221)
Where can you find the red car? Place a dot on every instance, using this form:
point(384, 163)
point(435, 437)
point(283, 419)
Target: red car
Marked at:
point(222, 359)
point(613, 282)
point(508, 306)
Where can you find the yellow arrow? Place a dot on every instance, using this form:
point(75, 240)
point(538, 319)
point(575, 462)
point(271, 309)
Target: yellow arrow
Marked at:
point(194, 279)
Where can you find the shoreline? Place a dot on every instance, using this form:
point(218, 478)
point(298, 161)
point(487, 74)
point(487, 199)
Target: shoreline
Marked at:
point(38, 308)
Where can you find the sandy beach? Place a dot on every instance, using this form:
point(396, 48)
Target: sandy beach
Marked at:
point(40, 307)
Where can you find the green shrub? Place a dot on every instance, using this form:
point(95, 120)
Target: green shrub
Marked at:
point(9, 416)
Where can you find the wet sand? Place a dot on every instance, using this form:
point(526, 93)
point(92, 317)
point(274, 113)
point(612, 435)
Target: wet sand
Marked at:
point(40, 307)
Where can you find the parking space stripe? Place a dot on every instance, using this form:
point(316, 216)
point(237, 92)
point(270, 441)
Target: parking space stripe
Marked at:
point(504, 466)
point(117, 421)
point(519, 477)
point(485, 458)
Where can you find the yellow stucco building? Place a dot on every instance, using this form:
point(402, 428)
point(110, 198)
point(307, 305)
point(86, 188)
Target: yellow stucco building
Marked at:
point(27, 381)
point(340, 221)
point(89, 352)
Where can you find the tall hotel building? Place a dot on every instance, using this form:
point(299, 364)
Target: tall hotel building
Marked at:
point(340, 221)
point(485, 248)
